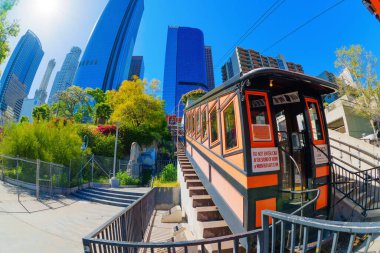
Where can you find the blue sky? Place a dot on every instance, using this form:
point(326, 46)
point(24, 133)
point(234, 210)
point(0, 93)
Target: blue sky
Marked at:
point(68, 23)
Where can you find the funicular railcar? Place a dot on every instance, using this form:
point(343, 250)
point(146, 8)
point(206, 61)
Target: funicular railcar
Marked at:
point(254, 140)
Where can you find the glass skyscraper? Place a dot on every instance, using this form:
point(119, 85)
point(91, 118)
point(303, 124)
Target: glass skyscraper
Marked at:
point(185, 66)
point(65, 77)
point(137, 67)
point(209, 68)
point(19, 74)
point(106, 60)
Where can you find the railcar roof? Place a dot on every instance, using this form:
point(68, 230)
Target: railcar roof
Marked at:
point(311, 82)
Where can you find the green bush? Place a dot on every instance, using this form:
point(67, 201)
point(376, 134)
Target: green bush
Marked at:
point(169, 174)
point(56, 142)
point(126, 179)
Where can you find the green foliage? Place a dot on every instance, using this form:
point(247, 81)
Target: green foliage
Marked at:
point(142, 115)
point(56, 142)
point(192, 95)
point(97, 94)
point(125, 179)
point(7, 29)
point(169, 174)
point(103, 112)
point(73, 103)
point(24, 119)
point(41, 112)
point(361, 64)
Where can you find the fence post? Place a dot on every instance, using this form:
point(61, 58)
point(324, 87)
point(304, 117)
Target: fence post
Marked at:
point(69, 175)
point(51, 180)
point(2, 169)
point(92, 170)
point(18, 182)
point(38, 179)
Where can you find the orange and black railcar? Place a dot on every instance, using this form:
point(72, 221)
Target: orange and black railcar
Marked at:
point(258, 140)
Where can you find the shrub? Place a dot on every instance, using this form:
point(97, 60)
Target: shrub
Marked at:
point(169, 174)
point(126, 179)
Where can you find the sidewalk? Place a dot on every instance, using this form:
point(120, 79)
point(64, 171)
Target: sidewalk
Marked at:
point(47, 226)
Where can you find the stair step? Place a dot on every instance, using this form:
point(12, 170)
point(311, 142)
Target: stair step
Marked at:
point(226, 247)
point(190, 183)
point(197, 190)
point(101, 201)
point(111, 194)
point(202, 200)
point(214, 228)
point(190, 177)
point(107, 198)
point(119, 192)
point(208, 213)
point(188, 171)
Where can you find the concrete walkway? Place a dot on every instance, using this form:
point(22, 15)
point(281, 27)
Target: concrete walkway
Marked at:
point(47, 226)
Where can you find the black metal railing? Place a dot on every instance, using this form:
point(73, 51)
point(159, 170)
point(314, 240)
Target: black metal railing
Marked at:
point(362, 187)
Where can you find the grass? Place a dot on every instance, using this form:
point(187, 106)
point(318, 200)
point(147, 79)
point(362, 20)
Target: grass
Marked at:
point(159, 183)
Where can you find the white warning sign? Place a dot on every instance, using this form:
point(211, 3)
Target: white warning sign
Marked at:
point(265, 159)
point(320, 154)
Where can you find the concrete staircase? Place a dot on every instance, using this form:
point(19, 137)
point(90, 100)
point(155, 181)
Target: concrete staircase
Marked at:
point(113, 197)
point(205, 216)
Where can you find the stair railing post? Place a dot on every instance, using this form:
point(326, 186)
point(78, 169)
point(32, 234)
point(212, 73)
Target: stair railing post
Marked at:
point(360, 160)
point(366, 193)
point(51, 180)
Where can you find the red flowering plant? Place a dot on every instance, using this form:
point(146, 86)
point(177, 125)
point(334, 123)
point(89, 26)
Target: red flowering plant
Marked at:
point(107, 129)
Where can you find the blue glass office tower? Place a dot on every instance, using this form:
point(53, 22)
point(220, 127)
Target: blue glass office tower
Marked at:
point(185, 66)
point(106, 60)
point(19, 74)
point(137, 67)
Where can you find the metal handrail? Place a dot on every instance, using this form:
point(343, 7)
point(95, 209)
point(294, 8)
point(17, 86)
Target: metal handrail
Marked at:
point(335, 227)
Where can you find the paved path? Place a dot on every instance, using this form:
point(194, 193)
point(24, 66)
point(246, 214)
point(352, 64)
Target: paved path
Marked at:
point(47, 226)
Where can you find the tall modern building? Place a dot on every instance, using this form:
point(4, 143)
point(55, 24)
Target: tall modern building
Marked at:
point(106, 60)
point(209, 68)
point(137, 67)
point(245, 60)
point(40, 95)
point(19, 74)
point(65, 77)
point(328, 76)
point(185, 66)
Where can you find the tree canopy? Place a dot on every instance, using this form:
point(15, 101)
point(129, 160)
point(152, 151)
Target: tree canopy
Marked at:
point(192, 95)
point(361, 64)
point(7, 29)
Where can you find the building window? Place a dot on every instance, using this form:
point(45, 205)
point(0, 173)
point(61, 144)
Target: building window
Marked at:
point(315, 120)
point(213, 119)
point(230, 126)
point(204, 125)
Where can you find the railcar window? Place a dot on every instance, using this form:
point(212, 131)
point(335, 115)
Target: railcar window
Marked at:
point(213, 125)
point(315, 121)
point(230, 127)
point(261, 128)
point(197, 123)
point(204, 125)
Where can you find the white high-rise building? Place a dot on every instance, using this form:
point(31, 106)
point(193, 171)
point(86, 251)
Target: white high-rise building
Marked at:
point(65, 77)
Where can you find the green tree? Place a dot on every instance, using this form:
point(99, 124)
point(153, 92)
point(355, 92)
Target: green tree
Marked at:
point(73, 103)
point(97, 94)
point(138, 111)
point(24, 119)
point(7, 29)
point(41, 112)
point(103, 112)
point(362, 66)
